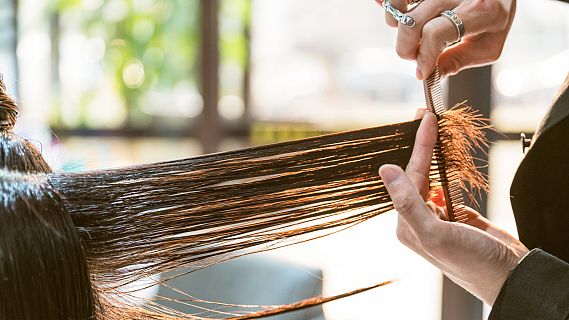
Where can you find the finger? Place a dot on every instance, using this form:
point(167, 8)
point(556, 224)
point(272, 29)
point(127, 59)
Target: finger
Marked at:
point(408, 39)
point(478, 17)
point(478, 221)
point(400, 5)
point(406, 199)
point(484, 16)
point(436, 35)
point(419, 165)
point(472, 52)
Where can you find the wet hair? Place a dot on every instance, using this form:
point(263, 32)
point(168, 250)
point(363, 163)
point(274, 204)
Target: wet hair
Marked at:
point(70, 241)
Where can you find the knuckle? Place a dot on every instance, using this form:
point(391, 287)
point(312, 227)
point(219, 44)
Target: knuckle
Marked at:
point(432, 41)
point(430, 31)
point(482, 6)
point(501, 14)
point(404, 204)
point(494, 11)
point(404, 52)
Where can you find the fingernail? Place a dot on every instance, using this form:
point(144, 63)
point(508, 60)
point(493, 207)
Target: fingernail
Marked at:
point(420, 113)
point(390, 174)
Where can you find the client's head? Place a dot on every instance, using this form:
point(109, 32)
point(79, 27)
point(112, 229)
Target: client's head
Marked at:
point(43, 271)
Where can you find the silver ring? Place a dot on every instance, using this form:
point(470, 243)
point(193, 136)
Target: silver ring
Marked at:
point(398, 15)
point(449, 14)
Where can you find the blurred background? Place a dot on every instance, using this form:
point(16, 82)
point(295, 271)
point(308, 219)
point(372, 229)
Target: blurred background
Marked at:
point(107, 83)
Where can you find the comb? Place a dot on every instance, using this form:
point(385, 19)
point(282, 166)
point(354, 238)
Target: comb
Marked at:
point(449, 181)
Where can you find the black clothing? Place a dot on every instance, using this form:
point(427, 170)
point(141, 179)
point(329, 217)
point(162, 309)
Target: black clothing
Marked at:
point(540, 190)
point(537, 289)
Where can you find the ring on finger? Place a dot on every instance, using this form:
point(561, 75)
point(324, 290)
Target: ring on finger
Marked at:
point(459, 25)
point(398, 15)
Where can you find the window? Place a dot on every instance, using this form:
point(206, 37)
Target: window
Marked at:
point(320, 64)
point(533, 66)
point(8, 44)
point(121, 82)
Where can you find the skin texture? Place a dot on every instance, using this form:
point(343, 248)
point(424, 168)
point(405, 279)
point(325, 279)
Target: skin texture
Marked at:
point(487, 23)
point(477, 255)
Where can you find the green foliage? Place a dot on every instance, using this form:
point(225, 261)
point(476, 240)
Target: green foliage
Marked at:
point(154, 44)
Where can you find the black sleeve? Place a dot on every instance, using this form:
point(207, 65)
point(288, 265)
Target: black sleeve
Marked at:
point(538, 288)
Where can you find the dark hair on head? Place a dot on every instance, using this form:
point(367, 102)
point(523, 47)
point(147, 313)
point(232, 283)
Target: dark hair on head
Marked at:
point(68, 242)
point(44, 273)
point(43, 270)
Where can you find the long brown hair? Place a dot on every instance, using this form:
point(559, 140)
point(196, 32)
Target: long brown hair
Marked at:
point(87, 234)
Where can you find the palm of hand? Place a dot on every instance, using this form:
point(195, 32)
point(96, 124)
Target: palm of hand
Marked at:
point(477, 255)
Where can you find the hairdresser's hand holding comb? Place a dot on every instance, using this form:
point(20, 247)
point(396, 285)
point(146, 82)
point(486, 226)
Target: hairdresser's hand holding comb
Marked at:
point(486, 24)
point(478, 255)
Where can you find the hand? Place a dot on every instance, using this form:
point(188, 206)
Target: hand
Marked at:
point(486, 22)
point(477, 255)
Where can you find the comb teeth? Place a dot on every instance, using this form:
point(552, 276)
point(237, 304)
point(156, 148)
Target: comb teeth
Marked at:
point(449, 181)
point(434, 93)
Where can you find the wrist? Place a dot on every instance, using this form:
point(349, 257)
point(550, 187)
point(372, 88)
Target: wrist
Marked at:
point(515, 257)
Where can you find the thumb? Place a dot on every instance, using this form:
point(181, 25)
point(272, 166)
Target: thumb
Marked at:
point(466, 55)
point(405, 197)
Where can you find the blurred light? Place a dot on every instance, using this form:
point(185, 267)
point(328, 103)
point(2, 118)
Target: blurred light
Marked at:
point(231, 107)
point(115, 55)
point(183, 101)
point(299, 75)
point(553, 71)
point(153, 56)
point(163, 10)
point(143, 30)
point(118, 42)
point(187, 100)
point(374, 60)
point(95, 50)
point(79, 67)
point(509, 83)
point(231, 74)
point(106, 110)
point(91, 5)
point(143, 5)
point(77, 71)
point(33, 47)
point(133, 74)
point(115, 10)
